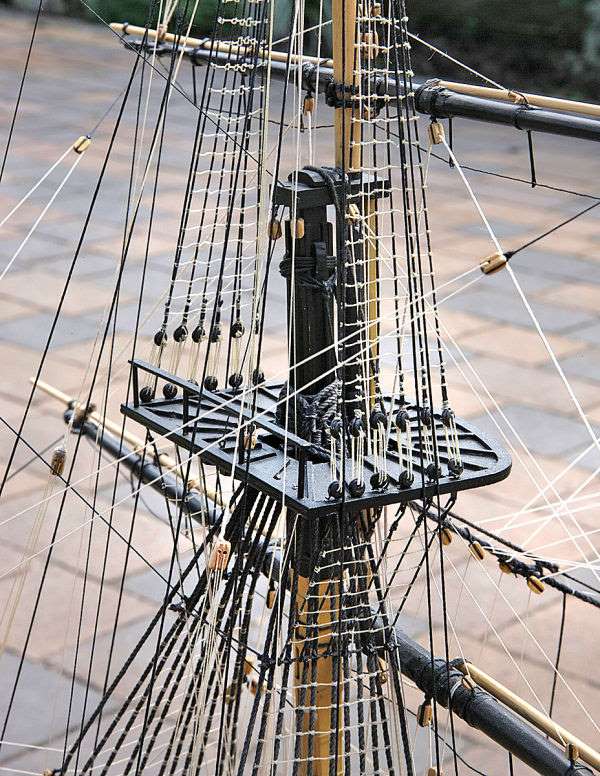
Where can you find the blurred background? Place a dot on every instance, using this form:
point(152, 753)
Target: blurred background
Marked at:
point(552, 45)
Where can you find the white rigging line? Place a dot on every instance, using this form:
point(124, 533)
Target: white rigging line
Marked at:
point(36, 185)
point(527, 630)
point(146, 108)
point(112, 463)
point(503, 416)
point(41, 215)
point(528, 507)
point(564, 379)
point(511, 429)
point(526, 304)
point(245, 392)
point(418, 39)
point(595, 440)
point(452, 59)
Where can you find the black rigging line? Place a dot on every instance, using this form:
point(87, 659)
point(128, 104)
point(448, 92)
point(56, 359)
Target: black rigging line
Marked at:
point(80, 620)
point(537, 184)
point(518, 567)
point(94, 129)
point(415, 268)
point(516, 179)
point(444, 394)
point(481, 171)
point(134, 345)
point(171, 637)
point(561, 633)
point(452, 748)
point(34, 457)
point(531, 159)
point(65, 491)
point(581, 582)
point(510, 254)
point(178, 88)
point(513, 178)
point(21, 86)
point(130, 479)
point(116, 474)
point(82, 498)
point(76, 255)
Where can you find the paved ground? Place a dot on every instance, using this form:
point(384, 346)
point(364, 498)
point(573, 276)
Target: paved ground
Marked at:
point(76, 72)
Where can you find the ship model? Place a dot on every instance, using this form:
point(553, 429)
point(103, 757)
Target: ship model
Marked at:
point(308, 498)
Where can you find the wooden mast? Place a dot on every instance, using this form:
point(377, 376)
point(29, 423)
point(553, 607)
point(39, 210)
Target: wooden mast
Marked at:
point(345, 42)
point(327, 723)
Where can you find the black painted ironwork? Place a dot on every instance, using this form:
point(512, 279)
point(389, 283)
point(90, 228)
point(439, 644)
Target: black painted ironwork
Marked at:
point(208, 424)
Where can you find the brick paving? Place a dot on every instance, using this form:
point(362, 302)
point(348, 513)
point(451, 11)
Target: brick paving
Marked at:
point(76, 72)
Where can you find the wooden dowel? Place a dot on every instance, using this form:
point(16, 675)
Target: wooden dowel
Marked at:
point(486, 92)
point(536, 100)
point(347, 124)
point(530, 713)
point(170, 464)
point(208, 44)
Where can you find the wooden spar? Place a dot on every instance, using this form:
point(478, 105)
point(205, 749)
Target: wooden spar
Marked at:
point(170, 465)
point(209, 44)
point(530, 713)
point(535, 100)
point(485, 92)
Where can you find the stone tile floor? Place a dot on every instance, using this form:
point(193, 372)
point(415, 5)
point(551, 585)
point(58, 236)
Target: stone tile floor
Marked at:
point(76, 73)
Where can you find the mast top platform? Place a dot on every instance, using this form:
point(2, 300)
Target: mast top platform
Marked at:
point(218, 426)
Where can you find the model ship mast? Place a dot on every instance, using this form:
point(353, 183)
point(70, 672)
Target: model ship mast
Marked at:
point(327, 447)
point(315, 655)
